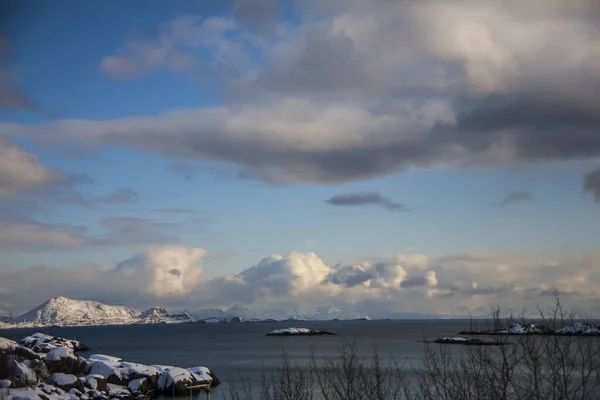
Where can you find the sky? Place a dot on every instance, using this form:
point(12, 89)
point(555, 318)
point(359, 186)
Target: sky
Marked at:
point(389, 158)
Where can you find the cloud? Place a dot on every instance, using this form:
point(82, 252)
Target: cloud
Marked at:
point(144, 280)
point(354, 91)
point(21, 171)
point(126, 231)
point(28, 235)
point(365, 199)
point(11, 96)
point(175, 211)
point(172, 47)
point(302, 282)
point(591, 183)
point(122, 195)
point(517, 196)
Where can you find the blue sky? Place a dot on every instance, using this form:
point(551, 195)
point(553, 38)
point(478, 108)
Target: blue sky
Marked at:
point(228, 126)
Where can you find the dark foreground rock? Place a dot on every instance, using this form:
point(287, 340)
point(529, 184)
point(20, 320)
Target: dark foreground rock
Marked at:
point(39, 368)
point(298, 332)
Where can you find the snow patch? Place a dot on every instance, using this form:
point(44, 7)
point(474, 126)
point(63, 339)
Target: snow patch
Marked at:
point(59, 353)
point(61, 379)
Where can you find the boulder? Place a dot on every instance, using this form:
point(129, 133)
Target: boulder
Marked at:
point(66, 382)
point(95, 382)
point(119, 372)
point(140, 386)
point(20, 374)
point(118, 391)
point(41, 343)
point(63, 359)
point(174, 380)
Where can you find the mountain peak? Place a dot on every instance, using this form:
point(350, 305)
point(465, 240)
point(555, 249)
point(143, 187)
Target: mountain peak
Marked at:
point(62, 310)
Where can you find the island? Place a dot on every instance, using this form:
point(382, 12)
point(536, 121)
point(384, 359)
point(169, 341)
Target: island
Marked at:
point(298, 332)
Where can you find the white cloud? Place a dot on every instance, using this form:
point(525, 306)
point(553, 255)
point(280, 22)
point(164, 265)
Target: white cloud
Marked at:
point(21, 171)
point(164, 270)
point(302, 282)
point(158, 275)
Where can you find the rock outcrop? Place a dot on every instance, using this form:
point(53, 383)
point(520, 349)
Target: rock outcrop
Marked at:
point(48, 368)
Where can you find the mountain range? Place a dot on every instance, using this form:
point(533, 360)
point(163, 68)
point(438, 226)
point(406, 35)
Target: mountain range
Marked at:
point(63, 311)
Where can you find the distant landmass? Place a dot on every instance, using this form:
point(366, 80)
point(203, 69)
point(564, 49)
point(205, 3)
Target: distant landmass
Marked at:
point(63, 311)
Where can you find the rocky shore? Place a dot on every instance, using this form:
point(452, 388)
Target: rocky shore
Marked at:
point(43, 367)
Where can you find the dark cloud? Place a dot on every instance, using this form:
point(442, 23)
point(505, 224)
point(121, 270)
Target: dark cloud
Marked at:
point(261, 15)
point(185, 169)
point(591, 183)
point(354, 90)
point(12, 96)
point(517, 196)
point(365, 199)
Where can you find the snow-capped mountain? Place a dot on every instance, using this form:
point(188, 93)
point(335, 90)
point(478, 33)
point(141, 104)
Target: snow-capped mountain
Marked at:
point(244, 313)
point(63, 311)
point(335, 313)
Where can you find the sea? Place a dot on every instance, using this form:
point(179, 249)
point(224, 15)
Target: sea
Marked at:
point(232, 350)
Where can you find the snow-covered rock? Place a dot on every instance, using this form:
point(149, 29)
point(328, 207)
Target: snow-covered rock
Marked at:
point(452, 340)
point(580, 328)
point(120, 372)
point(42, 343)
point(517, 328)
point(59, 353)
point(298, 332)
point(65, 376)
point(20, 374)
point(139, 386)
point(7, 344)
point(66, 381)
point(176, 380)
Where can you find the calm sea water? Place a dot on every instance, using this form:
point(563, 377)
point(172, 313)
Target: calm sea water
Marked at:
point(231, 349)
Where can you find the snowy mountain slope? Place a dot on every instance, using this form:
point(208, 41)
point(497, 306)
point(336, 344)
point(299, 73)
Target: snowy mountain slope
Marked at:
point(65, 311)
point(62, 311)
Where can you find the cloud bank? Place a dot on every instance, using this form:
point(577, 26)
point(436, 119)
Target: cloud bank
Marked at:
point(284, 285)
